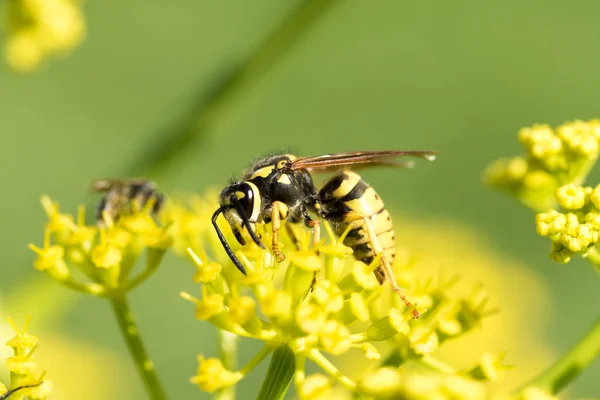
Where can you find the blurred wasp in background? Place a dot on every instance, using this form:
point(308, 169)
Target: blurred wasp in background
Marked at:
point(121, 195)
point(280, 188)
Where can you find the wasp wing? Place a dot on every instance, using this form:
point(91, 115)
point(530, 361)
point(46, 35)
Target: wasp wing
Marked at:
point(103, 185)
point(360, 158)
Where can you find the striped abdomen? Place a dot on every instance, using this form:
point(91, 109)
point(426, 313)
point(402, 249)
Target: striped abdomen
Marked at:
point(346, 194)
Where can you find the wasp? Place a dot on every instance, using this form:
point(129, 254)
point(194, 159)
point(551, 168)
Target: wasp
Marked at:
point(280, 188)
point(122, 195)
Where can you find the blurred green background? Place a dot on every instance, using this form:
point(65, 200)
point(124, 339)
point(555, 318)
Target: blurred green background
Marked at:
point(460, 77)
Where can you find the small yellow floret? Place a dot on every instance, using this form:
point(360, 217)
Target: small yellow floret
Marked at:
point(550, 223)
point(384, 383)
point(334, 337)
point(310, 318)
point(213, 376)
point(242, 309)
point(106, 256)
point(315, 387)
point(571, 197)
point(209, 306)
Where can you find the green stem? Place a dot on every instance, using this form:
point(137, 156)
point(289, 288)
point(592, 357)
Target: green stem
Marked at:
point(571, 365)
point(593, 256)
point(279, 375)
point(436, 364)
point(328, 367)
point(228, 353)
point(132, 337)
point(257, 359)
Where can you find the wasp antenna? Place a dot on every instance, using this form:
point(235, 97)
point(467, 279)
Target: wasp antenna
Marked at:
point(226, 246)
point(430, 155)
point(246, 221)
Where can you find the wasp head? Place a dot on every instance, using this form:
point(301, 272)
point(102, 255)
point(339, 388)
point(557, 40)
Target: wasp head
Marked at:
point(240, 204)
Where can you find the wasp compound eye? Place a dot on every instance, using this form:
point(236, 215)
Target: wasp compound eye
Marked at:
point(245, 195)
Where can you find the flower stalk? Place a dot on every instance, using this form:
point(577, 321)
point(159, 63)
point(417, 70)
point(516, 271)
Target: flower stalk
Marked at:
point(137, 350)
point(227, 342)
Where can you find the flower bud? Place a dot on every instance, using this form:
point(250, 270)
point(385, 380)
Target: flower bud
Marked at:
point(388, 327)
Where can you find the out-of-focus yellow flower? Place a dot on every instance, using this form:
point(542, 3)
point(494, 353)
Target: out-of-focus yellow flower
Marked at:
point(463, 251)
point(554, 158)
point(105, 255)
point(25, 378)
point(41, 29)
point(213, 376)
point(315, 387)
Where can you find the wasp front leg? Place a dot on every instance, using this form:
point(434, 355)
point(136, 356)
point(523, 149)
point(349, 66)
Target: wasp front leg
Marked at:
point(279, 212)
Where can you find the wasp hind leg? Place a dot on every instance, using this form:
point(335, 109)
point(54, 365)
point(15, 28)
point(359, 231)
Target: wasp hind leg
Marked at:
point(385, 269)
point(279, 212)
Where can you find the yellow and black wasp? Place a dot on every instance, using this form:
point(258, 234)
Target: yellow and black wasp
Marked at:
point(280, 188)
point(120, 195)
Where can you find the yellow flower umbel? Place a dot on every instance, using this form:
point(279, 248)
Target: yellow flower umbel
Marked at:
point(40, 29)
point(104, 255)
point(551, 179)
point(317, 305)
point(26, 381)
point(99, 259)
point(554, 157)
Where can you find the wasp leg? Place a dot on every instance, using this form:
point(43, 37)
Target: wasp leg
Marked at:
point(314, 225)
point(293, 237)
point(387, 268)
point(278, 213)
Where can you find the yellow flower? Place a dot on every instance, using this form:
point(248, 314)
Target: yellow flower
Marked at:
point(42, 29)
point(315, 387)
point(384, 383)
point(107, 259)
point(106, 256)
point(212, 376)
point(570, 196)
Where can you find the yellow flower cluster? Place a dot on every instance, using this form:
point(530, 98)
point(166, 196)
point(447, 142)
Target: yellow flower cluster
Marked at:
point(25, 379)
point(554, 157)
point(322, 303)
point(576, 227)
point(39, 29)
point(104, 255)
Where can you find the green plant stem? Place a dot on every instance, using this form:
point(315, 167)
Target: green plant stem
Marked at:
point(570, 365)
point(228, 352)
point(257, 359)
point(132, 337)
point(593, 256)
point(279, 375)
point(173, 141)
